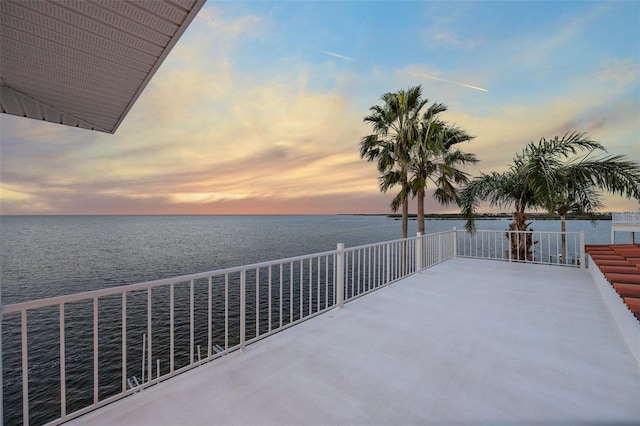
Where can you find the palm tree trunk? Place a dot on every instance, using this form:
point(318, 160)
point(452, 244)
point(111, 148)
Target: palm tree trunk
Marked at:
point(405, 217)
point(405, 204)
point(521, 243)
point(421, 229)
point(421, 212)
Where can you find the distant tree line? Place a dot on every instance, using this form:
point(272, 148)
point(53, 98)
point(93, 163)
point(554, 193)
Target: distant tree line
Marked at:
point(533, 215)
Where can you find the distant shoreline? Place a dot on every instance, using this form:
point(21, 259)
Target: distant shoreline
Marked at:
point(532, 216)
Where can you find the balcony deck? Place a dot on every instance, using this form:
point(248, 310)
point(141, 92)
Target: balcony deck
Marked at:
point(465, 341)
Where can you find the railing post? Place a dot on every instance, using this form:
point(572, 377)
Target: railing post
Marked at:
point(149, 336)
point(418, 252)
point(1, 395)
point(510, 246)
point(95, 351)
point(63, 366)
point(172, 346)
point(340, 275)
point(582, 257)
point(388, 261)
point(191, 327)
point(124, 342)
point(455, 242)
point(209, 326)
point(613, 234)
point(243, 283)
point(144, 345)
point(25, 368)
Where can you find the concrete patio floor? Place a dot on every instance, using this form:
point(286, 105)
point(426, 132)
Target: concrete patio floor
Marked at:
point(467, 341)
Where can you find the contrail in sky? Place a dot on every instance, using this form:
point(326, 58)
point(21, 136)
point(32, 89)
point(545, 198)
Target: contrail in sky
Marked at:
point(445, 81)
point(469, 86)
point(336, 55)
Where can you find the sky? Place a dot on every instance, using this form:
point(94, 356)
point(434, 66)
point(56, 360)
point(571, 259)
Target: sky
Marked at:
point(259, 107)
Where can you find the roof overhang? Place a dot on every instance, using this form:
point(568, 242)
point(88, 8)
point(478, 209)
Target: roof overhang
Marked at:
point(84, 63)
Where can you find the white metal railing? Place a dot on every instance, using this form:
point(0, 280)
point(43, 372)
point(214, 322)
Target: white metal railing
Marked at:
point(237, 305)
point(92, 340)
point(368, 267)
point(627, 218)
point(552, 248)
point(436, 248)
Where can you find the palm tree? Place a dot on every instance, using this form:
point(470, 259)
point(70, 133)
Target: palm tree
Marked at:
point(549, 175)
point(434, 159)
point(566, 182)
point(502, 190)
point(395, 128)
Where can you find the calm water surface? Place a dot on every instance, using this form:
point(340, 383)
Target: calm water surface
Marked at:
point(46, 256)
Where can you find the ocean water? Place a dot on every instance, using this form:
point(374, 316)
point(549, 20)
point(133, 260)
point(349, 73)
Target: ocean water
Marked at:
point(46, 256)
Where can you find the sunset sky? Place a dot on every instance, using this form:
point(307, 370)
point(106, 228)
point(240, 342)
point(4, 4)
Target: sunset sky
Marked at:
point(259, 108)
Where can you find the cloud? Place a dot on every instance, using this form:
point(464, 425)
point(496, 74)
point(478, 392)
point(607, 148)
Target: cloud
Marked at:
point(229, 28)
point(274, 140)
point(205, 197)
point(444, 27)
point(619, 72)
point(540, 46)
point(450, 39)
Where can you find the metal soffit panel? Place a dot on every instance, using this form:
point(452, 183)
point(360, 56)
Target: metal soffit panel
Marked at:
point(83, 63)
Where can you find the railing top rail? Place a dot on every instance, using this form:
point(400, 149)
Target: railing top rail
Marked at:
point(52, 301)
point(355, 248)
point(440, 233)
